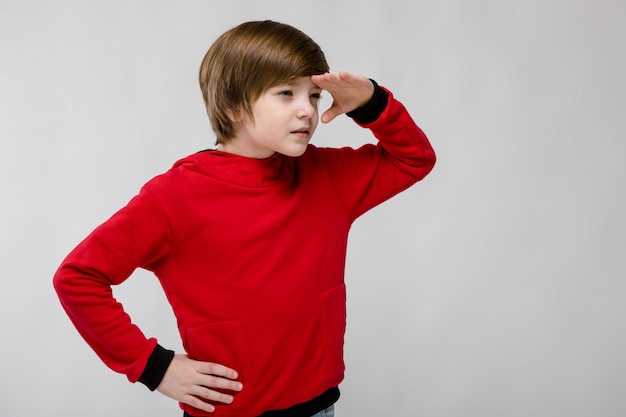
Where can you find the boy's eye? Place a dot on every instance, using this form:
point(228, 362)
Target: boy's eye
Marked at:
point(290, 93)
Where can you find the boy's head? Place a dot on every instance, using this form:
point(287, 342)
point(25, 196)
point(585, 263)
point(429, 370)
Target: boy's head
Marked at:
point(247, 60)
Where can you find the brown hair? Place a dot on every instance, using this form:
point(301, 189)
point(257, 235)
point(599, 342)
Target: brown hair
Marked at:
point(247, 60)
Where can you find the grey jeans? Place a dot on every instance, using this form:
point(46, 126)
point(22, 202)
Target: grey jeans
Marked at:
point(329, 412)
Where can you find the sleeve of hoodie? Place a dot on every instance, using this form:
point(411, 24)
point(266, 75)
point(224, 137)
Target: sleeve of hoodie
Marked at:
point(373, 173)
point(136, 236)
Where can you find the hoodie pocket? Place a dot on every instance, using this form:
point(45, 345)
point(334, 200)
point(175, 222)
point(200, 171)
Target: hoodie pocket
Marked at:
point(334, 319)
point(220, 342)
point(223, 343)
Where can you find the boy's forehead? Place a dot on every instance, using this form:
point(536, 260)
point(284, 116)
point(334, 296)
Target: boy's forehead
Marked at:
point(300, 81)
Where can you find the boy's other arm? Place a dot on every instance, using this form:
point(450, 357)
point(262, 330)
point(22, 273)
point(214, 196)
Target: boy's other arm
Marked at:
point(135, 236)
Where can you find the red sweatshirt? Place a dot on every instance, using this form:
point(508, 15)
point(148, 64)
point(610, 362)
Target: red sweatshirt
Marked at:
point(251, 255)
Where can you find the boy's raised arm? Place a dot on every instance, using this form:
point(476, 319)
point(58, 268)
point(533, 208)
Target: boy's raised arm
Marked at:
point(369, 175)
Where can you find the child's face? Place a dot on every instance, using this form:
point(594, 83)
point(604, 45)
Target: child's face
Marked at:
point(285, 117)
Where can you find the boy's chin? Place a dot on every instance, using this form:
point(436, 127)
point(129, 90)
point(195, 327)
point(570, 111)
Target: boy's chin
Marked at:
point(295, 151)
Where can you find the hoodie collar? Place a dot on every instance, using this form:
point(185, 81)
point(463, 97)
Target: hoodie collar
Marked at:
point(240, 170)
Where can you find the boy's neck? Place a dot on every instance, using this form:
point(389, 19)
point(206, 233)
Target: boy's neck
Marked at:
point(234, 148)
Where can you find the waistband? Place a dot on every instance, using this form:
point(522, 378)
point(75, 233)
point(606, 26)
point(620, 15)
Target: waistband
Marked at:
point(308, 408)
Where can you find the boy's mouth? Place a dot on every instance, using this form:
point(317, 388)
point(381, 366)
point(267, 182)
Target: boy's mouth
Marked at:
point(303, 133)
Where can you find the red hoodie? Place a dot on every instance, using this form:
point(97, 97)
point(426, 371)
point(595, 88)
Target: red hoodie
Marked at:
point(251, 255)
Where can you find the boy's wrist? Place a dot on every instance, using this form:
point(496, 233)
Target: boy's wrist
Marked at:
point(157, 365)
point(372, 110)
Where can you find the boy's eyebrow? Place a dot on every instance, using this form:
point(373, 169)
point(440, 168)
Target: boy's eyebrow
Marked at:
point(292, 83)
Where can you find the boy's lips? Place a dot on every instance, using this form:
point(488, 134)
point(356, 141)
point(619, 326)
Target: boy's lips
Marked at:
point(302, 133)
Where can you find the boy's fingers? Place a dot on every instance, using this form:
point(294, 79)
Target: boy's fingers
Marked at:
point(329, 80)
point(210, 368)
point(210, 395)
point(326, 81)
point(219, 382)
point(196, 402)
point(330, 114)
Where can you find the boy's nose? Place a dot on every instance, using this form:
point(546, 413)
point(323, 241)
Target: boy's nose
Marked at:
point(306, 109)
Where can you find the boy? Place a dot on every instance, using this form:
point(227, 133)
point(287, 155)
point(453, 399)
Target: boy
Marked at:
point(249, 240)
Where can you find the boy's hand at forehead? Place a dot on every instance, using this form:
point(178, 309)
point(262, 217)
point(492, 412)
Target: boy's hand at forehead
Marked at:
point(349, 92)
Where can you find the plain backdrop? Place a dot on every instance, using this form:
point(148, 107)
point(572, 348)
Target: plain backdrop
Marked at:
point(495, 287)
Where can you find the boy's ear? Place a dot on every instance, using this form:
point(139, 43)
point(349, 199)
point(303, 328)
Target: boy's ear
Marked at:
point(232, 116)
point(235, 116)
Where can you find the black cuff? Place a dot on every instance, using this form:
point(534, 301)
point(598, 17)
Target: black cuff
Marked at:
point(373, 108)
point(158, 362)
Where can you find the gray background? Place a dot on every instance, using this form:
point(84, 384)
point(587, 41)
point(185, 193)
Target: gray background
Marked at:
point(493, 288)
